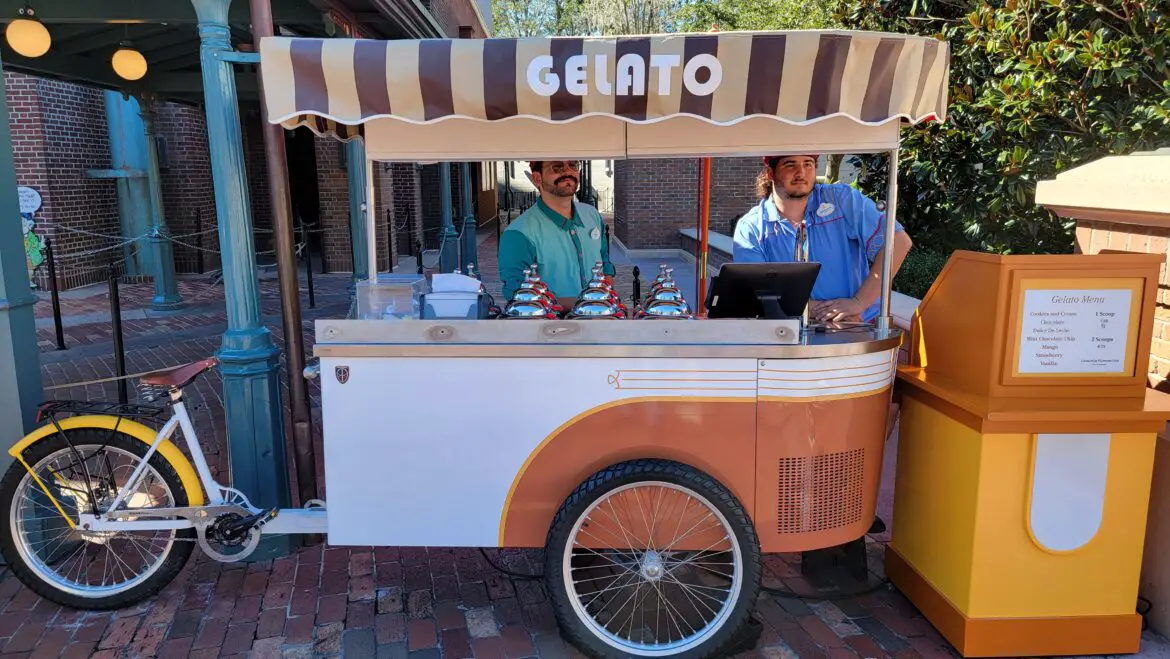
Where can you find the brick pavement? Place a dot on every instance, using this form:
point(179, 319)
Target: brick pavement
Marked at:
point(421, 603)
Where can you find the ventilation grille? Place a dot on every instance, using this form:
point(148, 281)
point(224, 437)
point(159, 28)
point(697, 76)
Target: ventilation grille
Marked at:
point(820, 493)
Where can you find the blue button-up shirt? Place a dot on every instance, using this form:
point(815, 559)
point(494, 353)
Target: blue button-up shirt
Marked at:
point(845, 234)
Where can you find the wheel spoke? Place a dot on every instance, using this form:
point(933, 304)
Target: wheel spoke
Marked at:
point(616, 605)
point(102, 563)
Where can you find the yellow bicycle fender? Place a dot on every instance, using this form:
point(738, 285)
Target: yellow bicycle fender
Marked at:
point(171, 453)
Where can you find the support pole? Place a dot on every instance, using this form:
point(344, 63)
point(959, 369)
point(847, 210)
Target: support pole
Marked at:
point(20, 365)
point(249, 361)
point(469, 247)
point(704, 230)
point(119, 347)
point(54, 290)
point(286, 265)
point(166, 287)
point(448, 238)
point(884, 320)
point(355, 169)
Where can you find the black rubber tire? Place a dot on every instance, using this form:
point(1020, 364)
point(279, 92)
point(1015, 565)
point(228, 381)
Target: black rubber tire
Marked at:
point(721, 644)
point(176, 558)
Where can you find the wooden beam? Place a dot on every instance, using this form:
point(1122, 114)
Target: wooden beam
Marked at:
point(99, 73)
point(141, 36)
point(174, 12)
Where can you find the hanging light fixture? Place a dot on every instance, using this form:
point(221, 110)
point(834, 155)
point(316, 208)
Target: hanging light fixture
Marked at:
point(28, 36)
point(128, 63)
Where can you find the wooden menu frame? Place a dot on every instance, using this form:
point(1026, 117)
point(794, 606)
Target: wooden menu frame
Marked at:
point(1023, 282)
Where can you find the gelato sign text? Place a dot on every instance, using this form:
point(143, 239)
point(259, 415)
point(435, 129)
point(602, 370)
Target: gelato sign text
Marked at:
point(630, 77)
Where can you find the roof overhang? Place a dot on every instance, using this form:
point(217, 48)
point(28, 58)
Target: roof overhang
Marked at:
point(1130, 189)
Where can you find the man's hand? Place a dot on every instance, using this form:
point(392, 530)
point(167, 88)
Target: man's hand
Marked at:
point(843, 309)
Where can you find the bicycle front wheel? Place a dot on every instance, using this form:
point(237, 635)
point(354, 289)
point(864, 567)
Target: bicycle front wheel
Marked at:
point(86, 569)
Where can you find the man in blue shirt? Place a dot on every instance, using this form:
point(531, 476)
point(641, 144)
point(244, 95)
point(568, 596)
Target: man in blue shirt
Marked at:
point(799, 219)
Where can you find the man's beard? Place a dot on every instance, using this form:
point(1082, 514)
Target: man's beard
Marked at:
point(555, 188)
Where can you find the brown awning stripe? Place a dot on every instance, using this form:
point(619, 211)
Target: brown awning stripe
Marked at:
point(563, 104)
point(434, 76)
point(825, 95)
point(881, 80)
point(499, 78)
point(633, 105)
point(699, 106)
point(312, 94)
point(795, 77)
point(765, 74)
point(369, 65)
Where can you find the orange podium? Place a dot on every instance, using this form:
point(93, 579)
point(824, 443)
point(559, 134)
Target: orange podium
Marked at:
point(1026, 451)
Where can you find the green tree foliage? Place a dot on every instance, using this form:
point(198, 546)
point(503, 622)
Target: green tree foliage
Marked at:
point(725, 15)
point(1037, 86)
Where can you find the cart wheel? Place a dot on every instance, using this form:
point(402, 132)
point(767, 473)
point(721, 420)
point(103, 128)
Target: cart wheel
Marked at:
point(89, 569)
point(653, 558)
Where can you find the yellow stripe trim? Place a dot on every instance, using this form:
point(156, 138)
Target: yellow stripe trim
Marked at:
point(171, 453)
point(564, 426)
point(46, 491)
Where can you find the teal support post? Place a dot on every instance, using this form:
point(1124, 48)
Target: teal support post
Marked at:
point(449, 240)
point(20, 362)
point(128, 163)
point(249, 361)
point(134, 165)
point(469, 240)
point(166, 287)
point(355, 160)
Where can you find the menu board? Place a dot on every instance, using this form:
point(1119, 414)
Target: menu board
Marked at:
point(1075, 331)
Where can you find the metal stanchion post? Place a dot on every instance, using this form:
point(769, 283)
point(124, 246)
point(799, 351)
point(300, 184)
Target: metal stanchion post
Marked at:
point(199, 238)
point(54, 289)
point(119, 349)
point(308, 264)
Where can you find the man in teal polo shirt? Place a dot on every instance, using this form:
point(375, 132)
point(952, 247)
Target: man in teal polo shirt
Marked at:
point(562, 236)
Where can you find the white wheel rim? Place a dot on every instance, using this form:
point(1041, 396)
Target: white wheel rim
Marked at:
point(119, 552)
point(651, 568)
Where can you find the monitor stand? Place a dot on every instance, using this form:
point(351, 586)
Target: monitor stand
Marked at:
point(771, 304)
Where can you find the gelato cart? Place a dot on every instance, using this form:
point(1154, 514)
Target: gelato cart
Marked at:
point(653, 449)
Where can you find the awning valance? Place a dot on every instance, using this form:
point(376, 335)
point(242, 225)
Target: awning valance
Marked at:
point(796, 77)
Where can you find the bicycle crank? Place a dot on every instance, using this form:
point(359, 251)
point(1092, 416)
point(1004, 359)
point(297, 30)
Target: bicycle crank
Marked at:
point(237, 534)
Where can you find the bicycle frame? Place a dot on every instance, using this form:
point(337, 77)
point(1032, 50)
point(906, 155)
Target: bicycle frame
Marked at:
point(220, 498)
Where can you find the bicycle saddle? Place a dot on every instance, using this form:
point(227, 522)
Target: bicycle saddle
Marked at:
point(180, 376)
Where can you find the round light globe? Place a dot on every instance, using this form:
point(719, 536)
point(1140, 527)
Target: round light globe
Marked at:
point(28, 37)
point(129, 64)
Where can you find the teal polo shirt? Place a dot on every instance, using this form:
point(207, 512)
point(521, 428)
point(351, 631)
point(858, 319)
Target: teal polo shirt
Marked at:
point(564, 249)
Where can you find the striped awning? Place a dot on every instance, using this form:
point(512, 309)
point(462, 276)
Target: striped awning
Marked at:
point(799, 77)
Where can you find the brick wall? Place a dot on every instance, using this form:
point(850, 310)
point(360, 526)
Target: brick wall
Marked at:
point(733, 191)
point(333, 195)
point(75, 140)
point(653, 199)
point(1098, 237)
point(431, 208)
point(333, 192)
point(28, 151)
point(453, 14)
point(384, 216)
point(187, 190)
point(408, 217)
point(256, 167)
